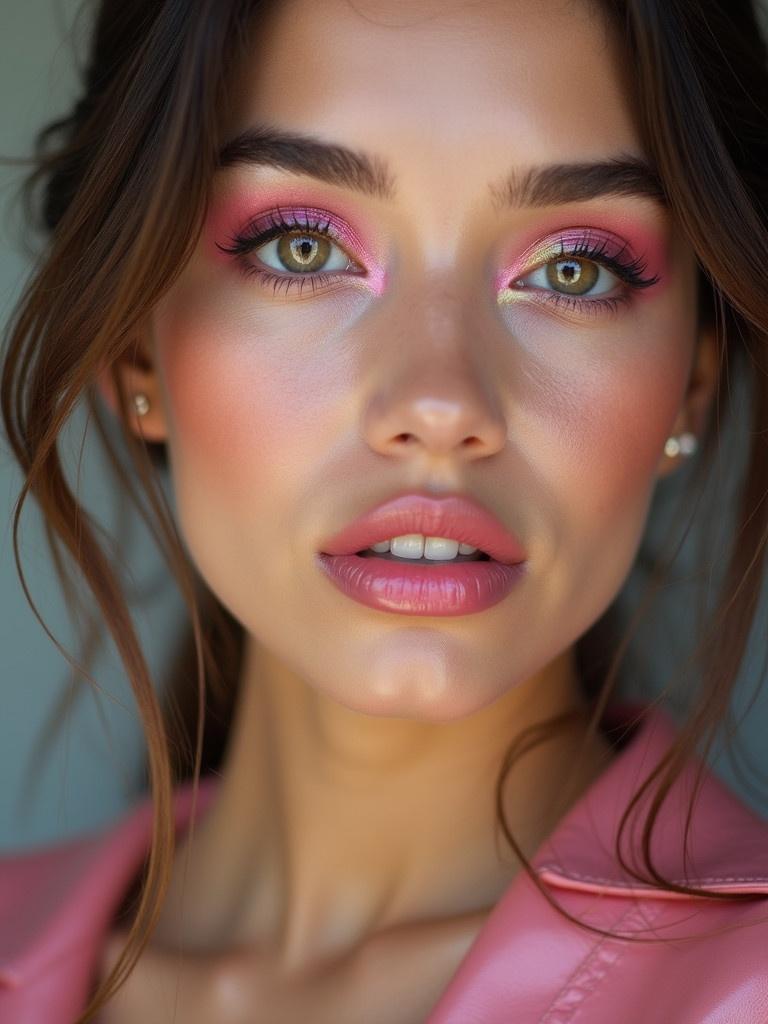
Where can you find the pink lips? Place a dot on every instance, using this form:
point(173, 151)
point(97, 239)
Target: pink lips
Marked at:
point(420, 589)
point(459, 518)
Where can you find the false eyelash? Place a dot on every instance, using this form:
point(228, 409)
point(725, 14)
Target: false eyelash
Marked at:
point(253, 237)
point(631, 272)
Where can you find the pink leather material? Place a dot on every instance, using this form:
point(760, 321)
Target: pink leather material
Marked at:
point(580, 854)
point(527, 965)
point(57, 906)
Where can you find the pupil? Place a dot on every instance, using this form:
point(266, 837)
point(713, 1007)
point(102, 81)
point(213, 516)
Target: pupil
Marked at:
point(300, 251)
point(305, 247)
point(568, 273)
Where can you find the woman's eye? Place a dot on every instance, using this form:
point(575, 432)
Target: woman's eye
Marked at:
point(571, 275)
point(303, 252)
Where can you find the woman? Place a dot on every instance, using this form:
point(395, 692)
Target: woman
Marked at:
point(393, 284)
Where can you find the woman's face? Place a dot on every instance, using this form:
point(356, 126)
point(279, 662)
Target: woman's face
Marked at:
point(440, 342)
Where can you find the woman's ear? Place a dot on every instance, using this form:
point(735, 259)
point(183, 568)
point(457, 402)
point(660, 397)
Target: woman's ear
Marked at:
point(135, 372)
point(702, 385)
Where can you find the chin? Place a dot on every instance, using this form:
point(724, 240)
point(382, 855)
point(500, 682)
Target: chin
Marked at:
point(418, 702)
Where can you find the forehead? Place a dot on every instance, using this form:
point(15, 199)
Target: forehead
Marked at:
point(484, 78)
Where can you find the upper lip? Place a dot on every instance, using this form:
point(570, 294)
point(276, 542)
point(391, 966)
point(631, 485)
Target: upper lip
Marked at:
point(459, 517)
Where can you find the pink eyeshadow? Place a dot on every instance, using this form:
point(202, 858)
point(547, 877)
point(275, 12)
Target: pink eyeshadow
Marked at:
point(617, 231)
point(231, 213)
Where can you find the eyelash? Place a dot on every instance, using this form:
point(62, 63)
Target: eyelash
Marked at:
point(630, 272)
point(251, 238)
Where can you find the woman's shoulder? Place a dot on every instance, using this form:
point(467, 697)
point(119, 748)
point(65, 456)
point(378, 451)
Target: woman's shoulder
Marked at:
point(57, 903)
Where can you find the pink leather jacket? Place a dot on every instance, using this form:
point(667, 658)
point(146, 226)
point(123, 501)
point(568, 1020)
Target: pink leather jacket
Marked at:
point(527, 964)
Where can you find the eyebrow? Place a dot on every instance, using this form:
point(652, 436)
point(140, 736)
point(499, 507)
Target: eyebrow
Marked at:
point(550, 184)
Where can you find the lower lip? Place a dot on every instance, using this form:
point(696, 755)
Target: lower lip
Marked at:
point(451, 589)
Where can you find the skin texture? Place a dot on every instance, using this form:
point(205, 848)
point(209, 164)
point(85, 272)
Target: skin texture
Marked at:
point(352, 842)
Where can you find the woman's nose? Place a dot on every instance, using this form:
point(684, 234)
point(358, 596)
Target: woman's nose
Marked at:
point(434, 385)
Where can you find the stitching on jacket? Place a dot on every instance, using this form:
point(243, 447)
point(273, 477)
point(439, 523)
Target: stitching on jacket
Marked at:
point(592, 970)
point(629, 885)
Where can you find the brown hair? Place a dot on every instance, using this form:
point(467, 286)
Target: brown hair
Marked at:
point(123, 184)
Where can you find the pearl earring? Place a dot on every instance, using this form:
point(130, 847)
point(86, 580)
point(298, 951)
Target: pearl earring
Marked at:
point(682, 444)
point(141, 404)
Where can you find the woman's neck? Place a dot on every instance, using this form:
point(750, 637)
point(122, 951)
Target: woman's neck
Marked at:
point(331, 826)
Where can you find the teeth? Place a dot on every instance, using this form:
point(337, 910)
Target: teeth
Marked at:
point(438, 548)
point(411, 545)
point(416, 545)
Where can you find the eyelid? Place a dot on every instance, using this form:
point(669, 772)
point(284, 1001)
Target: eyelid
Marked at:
point(603, 248)
point(312, 219)
point(599, 246)
point(563, 243)
point(262, 228)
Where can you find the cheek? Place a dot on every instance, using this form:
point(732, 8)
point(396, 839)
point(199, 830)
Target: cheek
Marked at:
point(598, 413)
point(595, 405)
point(236, 409)
point(250, 401)
point(223, 413)
point(618, 424)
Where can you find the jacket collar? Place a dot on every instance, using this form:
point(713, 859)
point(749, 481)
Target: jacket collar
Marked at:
point(727, 843)
point(64, 897)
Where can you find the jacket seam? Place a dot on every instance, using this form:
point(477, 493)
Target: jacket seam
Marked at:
point(593, 969)
point(629, 885)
